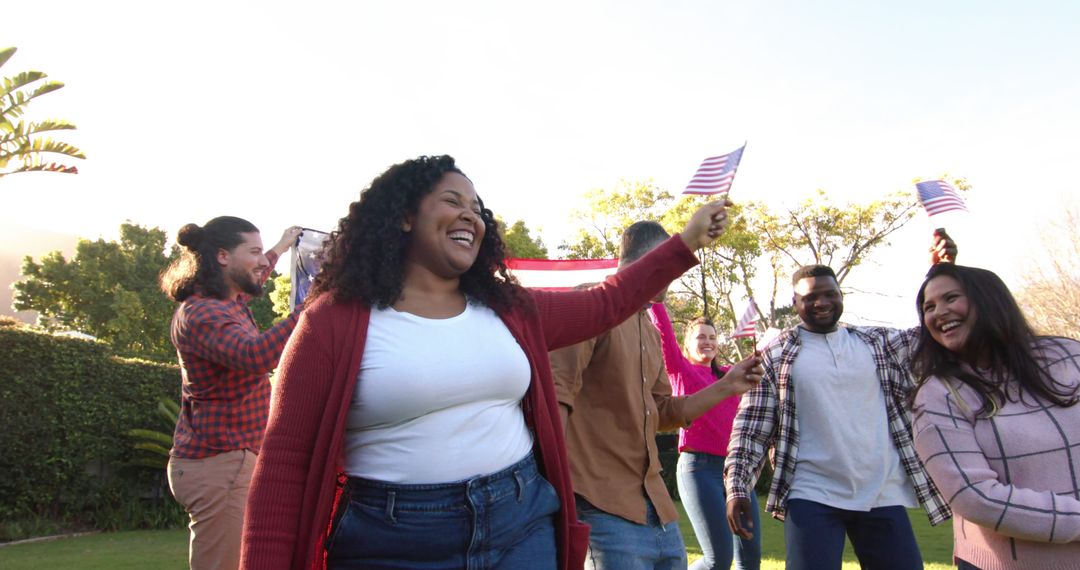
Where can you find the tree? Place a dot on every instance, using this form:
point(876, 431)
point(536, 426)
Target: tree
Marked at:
point(520, 243)
point(610, 211)
point(109, 289)
point(1050, 293)
point(762, 246)
point(279, 296)
point(23, 142)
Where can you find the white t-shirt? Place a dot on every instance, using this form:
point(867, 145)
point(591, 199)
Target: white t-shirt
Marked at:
point(437, 400)
point(846, 457)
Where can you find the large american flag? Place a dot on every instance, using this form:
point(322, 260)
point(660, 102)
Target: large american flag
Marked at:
point(747, 326)
point(937, 196)
point(306, 263)
point(560, 274)
point(715, 174)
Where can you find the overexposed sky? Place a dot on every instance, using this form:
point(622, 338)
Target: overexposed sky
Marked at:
point(281, 112)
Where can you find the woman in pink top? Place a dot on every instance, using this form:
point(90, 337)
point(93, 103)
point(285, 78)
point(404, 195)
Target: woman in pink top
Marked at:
point(703, 446)
point(996, 423)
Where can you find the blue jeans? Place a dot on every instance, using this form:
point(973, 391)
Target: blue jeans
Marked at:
point(965, 565)
point(882, 538)
point(618, 544)
point(499, 521)
point(701, 485)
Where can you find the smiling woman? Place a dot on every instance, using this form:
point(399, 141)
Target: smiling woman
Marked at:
point(414, 421)
point(995, 422)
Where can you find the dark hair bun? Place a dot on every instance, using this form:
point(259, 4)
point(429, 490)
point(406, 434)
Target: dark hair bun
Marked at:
point(190, 236)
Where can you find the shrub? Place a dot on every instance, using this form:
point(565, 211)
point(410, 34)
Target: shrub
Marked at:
point(65, 406)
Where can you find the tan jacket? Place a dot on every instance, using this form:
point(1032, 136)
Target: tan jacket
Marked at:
point(619, 397)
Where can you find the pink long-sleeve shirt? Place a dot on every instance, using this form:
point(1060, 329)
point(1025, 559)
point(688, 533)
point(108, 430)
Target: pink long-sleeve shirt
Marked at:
point(1013, 479)
point(709, 433)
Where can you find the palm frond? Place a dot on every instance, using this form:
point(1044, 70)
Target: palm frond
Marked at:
point(14, 132)
point(153, 447)
point(10, 85)
point(41, 167)
point(168, 410)
point(18, 100)
point(151, 436)
point(151, 462)
point(6, 53)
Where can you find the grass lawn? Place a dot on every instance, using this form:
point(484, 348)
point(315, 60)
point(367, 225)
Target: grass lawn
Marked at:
point(934, 542)
point(158, 549)
point(167, 549)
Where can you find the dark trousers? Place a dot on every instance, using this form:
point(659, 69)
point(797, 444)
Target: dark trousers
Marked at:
point(882, 538)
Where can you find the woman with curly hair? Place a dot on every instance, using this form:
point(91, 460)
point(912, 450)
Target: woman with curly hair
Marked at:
point(996, 423)
point(414, 423)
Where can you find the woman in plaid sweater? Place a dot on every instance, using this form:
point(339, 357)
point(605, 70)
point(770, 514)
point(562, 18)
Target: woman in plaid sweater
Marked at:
point(996, 423)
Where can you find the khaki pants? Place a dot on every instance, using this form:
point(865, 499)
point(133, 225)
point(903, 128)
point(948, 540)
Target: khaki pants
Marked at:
point(213, 491)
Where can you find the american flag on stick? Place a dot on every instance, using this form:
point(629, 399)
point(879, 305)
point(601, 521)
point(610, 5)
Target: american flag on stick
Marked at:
point(747, 326)
point(937, 196)
point(715, 174)
point(560, 274)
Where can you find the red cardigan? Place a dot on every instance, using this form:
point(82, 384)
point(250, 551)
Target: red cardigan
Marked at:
point(291, 499)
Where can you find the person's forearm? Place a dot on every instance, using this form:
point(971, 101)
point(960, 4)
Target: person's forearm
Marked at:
point(695, 405)
point(281, 247)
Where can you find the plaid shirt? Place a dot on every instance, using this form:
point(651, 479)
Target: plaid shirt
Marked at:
point(225, 365)
point(767, 419)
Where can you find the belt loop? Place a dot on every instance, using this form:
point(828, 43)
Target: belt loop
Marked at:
point(520, 485)
point(390, 497)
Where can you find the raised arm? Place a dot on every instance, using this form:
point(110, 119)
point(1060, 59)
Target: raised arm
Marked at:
point(569, 317)
point(288, 239)
point(216, 335)
point(945, 441)
point(674, 361)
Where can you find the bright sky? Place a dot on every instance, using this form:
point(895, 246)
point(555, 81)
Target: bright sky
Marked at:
point(282, 112)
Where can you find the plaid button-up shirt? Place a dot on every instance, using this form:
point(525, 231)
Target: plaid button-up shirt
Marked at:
point(225, 364)
point(767, 419)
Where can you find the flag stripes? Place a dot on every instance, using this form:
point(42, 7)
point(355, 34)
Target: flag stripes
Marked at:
point(937, 196)
point(560, 274)
point(715, 174)
point(747, 326)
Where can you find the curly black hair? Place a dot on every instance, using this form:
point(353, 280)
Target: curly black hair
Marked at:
point(364, 258)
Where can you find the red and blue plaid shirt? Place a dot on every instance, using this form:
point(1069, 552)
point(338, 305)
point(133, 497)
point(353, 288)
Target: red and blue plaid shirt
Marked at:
point(225, 364)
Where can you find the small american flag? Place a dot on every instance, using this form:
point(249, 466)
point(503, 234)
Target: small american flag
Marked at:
point(560, 274)
point(715, 174)
point(937, 196)
point(747, 326)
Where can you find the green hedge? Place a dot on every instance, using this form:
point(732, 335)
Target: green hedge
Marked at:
point(65, 405)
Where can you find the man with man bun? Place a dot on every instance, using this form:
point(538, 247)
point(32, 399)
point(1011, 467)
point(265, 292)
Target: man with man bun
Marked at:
point(224, 364)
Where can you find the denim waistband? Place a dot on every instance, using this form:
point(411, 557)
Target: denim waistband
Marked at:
point(510, 480)
point(704, 456)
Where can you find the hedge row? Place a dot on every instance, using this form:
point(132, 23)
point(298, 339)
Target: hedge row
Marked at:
point(65, 405)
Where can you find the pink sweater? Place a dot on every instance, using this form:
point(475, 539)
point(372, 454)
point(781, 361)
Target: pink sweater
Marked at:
point(1012, 480)
point(709, 433)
